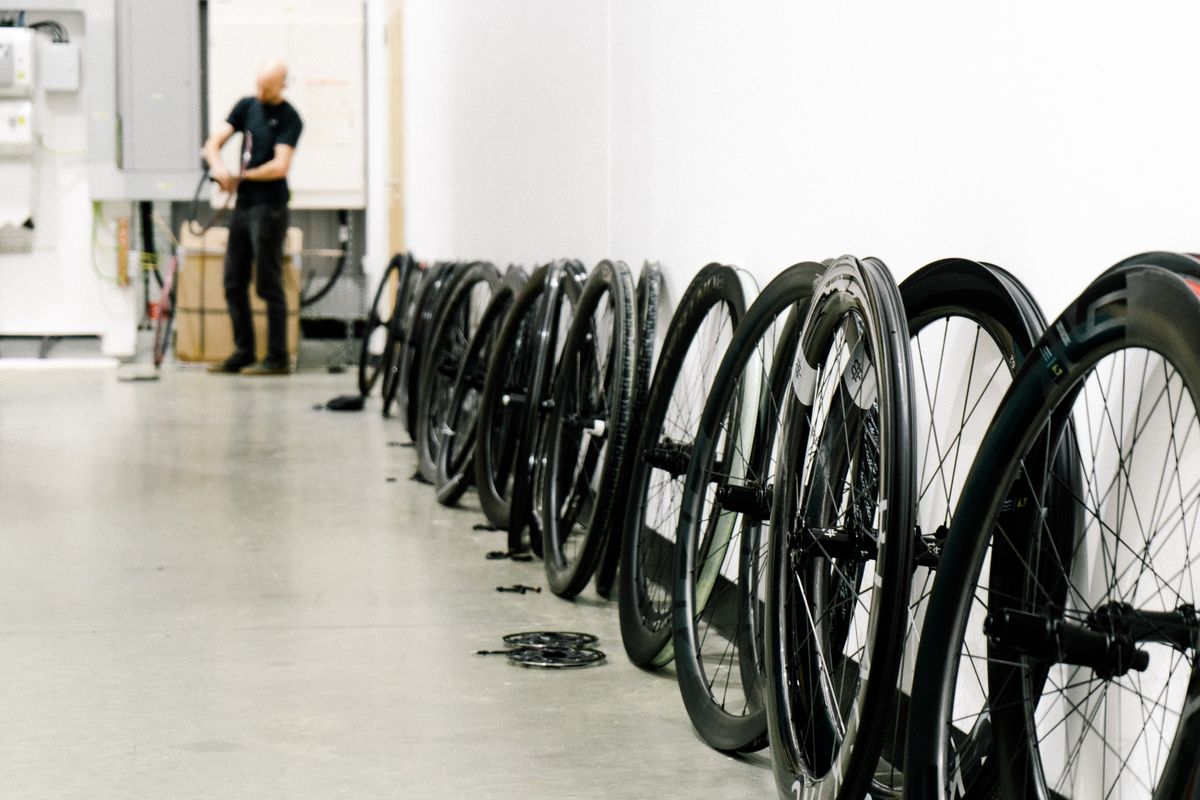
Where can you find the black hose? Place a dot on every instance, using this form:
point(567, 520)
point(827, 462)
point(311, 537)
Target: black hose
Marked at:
point(149, 252)
point(344, 236)
point(57, 33)
point(194, 211)
point(193, 221)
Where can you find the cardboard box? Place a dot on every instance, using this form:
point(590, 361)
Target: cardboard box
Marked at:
point(203, 331)
point(207, 334)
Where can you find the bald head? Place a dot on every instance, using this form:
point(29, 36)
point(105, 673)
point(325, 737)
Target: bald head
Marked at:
point(272, 77)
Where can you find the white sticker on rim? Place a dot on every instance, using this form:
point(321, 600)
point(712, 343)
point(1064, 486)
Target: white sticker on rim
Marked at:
point(859, 376)
point(804, 381)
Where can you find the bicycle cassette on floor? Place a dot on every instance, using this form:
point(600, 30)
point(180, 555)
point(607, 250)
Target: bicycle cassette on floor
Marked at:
point(555, 657)
point(560, 639)
point(549, 649)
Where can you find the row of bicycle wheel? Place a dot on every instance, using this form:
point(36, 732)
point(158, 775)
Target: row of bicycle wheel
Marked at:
point(911, 537)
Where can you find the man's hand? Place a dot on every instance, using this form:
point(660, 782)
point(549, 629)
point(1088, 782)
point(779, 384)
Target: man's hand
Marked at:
point(227, 182)
point(212, 154)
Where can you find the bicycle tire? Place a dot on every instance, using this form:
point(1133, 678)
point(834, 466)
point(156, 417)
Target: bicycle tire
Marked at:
point(1147, 314)
point(585, 435)
point(455, 463)
point(649, 288)
point(649, 306)
point(562, 283)
point(370, 364)
point(503, 399)
point(429, 304)
point(398, 331)
point(841, 542)
point(658, 462)
point(970, 325)
point(164, 323)
point(465, 298)
point(724, 520)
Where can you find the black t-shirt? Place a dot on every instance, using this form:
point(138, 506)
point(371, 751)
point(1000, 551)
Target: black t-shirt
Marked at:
point(262, 127)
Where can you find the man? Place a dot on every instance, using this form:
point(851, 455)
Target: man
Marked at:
point(270, 128)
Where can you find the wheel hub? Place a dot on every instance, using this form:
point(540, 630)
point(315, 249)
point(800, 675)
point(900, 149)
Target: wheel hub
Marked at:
point(1106, 641)
point(752, 499)
point(670, 456)
point(851, 542)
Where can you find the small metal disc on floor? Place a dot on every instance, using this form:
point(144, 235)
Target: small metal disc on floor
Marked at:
point(560, 639)
point(550, 649)
point(555, 657)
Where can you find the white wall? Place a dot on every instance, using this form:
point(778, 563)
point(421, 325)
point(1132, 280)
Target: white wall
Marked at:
point(1052, 139)
point(506, 129)
point(377, 152)
point(323, 45)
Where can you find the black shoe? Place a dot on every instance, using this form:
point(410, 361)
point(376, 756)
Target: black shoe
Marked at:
point(269, 366)
point(235, 363)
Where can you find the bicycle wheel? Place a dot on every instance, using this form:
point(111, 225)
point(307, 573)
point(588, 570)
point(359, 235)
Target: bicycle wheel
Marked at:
point(466, 297)
point(1084, 669)
point(700, 331)
point(839, 563)
point(399, 330)
point(970, 325)
point(649, 287)
point(455, 467)
point(563, 286)
point(375, 330)
point(649, 306)
point(584, 437)
point(164, 322)
point(723, 521)
point(509, 371)
point(429, 305)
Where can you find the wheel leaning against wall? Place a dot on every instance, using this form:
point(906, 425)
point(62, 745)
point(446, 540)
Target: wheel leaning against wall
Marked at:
point(704, 321)
point(456, 459)
point(1116, 686)
point(389, 296)
point(585, 434)
point(502, 400)
point(466, 297)
point(563, 286)
point(724, 520)
point(839, 563)
point(647, 309)
point(398, 330)
point(429, 299)
point(970, 325)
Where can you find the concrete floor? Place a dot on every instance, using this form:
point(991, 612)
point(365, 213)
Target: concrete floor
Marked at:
point(210, 590)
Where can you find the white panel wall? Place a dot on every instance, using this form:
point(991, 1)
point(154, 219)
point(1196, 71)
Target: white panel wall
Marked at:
point(1051, 139)
point(323, 46)
point(506, 129)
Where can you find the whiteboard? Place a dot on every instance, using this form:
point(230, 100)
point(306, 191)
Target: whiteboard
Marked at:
point(322, 43)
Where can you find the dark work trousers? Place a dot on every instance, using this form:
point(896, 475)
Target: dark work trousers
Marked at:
point(256, 235)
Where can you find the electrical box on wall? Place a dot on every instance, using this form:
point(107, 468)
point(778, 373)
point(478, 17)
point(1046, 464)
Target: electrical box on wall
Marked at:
point(145, 124)
point(158, 77)
point(16, 127)
point(58, 67)
point(16, 62)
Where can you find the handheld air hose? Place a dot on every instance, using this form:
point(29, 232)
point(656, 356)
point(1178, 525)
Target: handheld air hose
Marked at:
point(343, 237)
